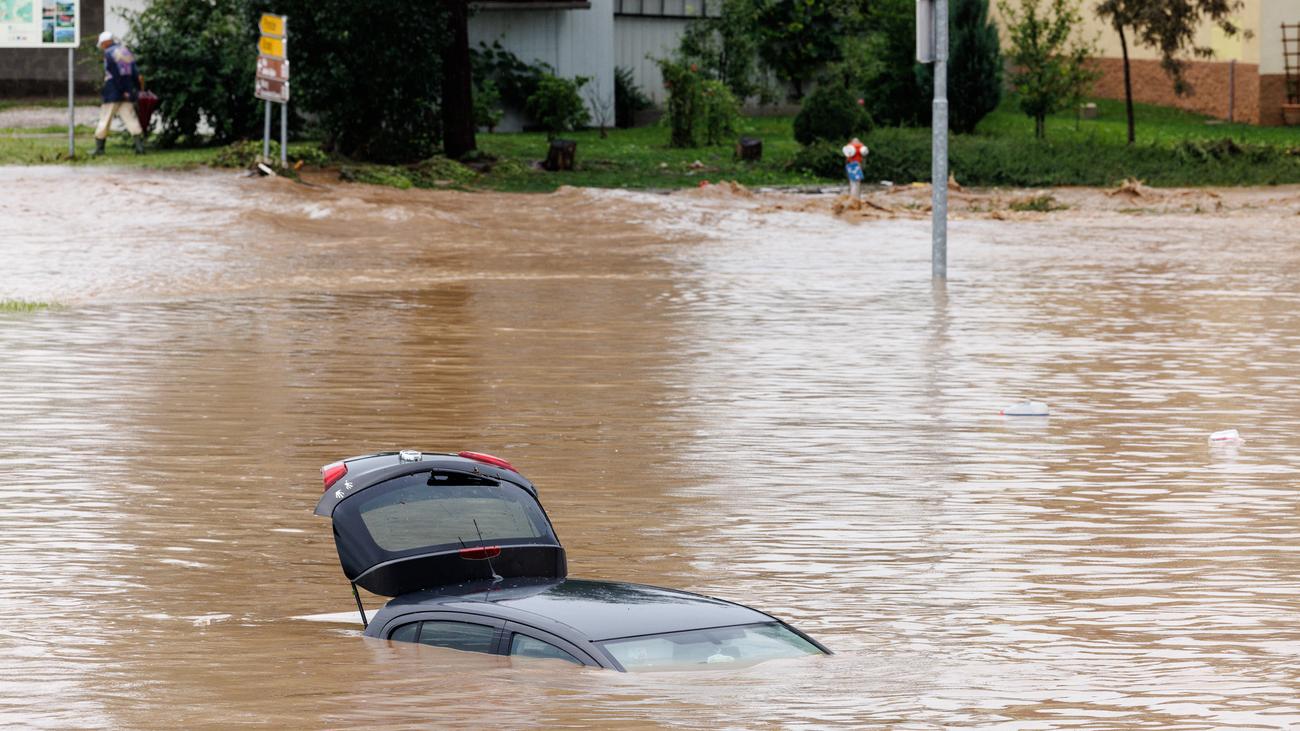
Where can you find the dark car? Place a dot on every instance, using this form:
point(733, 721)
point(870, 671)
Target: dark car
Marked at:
point(463, 545)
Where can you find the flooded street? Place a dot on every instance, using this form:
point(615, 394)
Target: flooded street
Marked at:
point(711, 393)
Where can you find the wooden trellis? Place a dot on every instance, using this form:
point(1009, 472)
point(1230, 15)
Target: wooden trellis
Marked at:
point(1291, 58)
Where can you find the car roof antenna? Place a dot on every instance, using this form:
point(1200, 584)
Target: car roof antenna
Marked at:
point(495, 576)
point(360, 608)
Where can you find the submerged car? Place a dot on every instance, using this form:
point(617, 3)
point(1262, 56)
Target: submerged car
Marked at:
point(462, 544)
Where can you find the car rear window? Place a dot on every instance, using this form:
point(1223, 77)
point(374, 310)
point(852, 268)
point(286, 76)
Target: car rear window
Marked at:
point(721, 645)
point(450, 509)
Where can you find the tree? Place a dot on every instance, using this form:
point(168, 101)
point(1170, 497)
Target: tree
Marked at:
point(199, 58)
point(557, 106)
point(798, 38)
point(975, 64)
point(726, 48)
point(1170, 27)
point(458, 125)
point(1051, 69)
point(897, 95)
point(374, 80)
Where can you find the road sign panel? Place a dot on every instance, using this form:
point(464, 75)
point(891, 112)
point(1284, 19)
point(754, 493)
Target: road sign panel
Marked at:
point(272, 25)
point(275, 69)
point(272, 90)
point(273, 47)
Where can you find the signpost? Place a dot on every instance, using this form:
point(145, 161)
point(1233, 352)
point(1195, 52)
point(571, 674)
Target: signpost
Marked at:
point(44, 24)
point(932, 47)
point(272, 80)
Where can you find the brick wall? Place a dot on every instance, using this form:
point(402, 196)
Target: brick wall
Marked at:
point(1210, 88)
point(39, 72)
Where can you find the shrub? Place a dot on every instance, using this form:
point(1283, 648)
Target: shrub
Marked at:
point(487, 104)
point(515, 80)
point(199, 58)
point(720, 112)
point(628, 98)
point(373, 79)
point(685, 101)
point(557, 106)
point(831, 113)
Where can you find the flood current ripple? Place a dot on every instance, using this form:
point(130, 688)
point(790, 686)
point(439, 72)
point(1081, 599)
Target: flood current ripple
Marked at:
point(772, 407)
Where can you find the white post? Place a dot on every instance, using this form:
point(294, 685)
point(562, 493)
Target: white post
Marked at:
point(72, 105)
point(939, 147)
point(266, 133)
point(284, 134)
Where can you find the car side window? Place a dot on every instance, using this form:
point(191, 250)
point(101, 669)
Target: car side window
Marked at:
point(406, 633)
point(525, 646)
point(457, 635)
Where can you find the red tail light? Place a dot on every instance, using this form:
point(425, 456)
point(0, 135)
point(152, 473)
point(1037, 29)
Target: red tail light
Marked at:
point(480, 553)
point(488, 459)
point(332, 473)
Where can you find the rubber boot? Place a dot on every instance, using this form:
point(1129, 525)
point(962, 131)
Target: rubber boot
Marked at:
point(99, 148)
point(139, 144)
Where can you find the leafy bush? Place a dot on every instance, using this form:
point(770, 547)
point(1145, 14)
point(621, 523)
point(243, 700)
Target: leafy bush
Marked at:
point(199, 58)
point(487, 104)
point(515, 80)
point(373, 79)
point(830, 113)
point(628, 98)
point(685, 101)
point(720, 112)
point(557, 106)
point(725, 48)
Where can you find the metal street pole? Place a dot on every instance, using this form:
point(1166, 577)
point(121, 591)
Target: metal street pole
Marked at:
point(266, 133)
point(939, 147)
point(284, 134)
point(72, 113)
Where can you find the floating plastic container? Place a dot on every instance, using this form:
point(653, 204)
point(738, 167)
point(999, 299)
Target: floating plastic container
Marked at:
point(1026, 408)
point(1227, 436)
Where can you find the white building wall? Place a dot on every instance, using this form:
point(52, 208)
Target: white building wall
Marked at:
point(113, 19)
point(576, 42)
point(640, 40)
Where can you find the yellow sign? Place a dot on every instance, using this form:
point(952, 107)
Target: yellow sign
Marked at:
point(273, 47)
point(272, 25)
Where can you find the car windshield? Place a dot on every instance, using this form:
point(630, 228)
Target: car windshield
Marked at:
point(745, 644)
point(451, 510)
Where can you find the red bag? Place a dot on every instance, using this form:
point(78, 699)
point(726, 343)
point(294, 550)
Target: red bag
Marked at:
point(146, 103)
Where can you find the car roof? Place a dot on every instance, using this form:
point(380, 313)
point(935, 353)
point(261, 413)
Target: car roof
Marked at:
point(599, 610)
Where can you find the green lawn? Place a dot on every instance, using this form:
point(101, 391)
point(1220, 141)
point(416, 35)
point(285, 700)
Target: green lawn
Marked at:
point(1174, 148)
point(1153, 125)
point(641, 158)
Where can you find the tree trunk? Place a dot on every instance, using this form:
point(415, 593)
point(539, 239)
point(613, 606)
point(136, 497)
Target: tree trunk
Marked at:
point(749, 149)
point(457, 86)
point(560, 155)
point(1128, 83)
point(1040, 127)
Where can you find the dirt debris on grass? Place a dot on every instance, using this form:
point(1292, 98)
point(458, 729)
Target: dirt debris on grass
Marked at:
point(1131, 197)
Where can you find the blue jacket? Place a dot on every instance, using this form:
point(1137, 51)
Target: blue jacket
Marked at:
point(121, 77)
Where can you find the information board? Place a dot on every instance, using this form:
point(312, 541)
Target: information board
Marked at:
point(40, 23)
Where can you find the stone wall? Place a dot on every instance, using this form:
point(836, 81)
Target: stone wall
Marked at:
point(43, 72)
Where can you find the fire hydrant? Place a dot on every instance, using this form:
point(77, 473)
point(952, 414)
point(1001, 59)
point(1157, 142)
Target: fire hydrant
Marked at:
point(854, 152)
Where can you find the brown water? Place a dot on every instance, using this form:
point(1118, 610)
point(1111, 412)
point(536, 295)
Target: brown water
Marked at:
point(775, 408)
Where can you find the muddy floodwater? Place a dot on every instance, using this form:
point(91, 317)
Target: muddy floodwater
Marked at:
point(712, 391)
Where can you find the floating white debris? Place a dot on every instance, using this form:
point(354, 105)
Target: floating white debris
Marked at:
point(1227, 436)
point(1026, 408)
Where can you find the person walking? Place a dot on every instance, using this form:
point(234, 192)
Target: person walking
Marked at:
point(122, 83)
